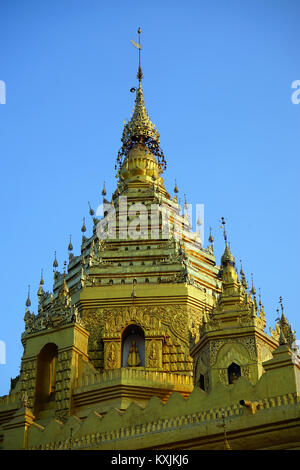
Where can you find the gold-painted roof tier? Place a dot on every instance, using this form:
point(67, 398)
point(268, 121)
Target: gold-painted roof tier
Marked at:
point(140, 165)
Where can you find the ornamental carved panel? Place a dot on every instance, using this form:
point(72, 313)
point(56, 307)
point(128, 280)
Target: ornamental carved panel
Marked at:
point(154, 354)
point(172, 321)
point(112, 355)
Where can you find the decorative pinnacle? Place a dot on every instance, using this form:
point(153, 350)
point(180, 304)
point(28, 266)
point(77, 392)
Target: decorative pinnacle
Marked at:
point(259, 296)
point(70, 246)
point(223, 222)
point(41, 291)
point(176, 190)
point(28, 302)
point(140, 73)
point(55, 263)
point(103, 190)
point(140, 129)
point(83, 228)
point(281, 304)
point(91, 210)
point(211, 238)
point(253, 291)
point(139, 47)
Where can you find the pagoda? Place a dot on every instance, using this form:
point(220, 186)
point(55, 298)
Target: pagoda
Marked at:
point(145, 342)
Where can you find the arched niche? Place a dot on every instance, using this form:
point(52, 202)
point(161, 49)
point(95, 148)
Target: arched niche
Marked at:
point(234, 372)
point(133, 347)
point(46, 376)
point(232, 352)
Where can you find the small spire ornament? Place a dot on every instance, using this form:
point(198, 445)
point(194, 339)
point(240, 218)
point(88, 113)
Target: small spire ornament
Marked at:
point(176, 190)
point(91, 211)
point(70, 246)
point(104, 189)
point(259, 297)
point(223, 222)
point(42, 280)
point(41, 290)
point(28, 302)
point(55, 263)
point(253, 291)
point(83, 228)
point(210, 238)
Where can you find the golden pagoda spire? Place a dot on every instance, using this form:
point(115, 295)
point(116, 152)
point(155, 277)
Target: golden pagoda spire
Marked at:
point(140, 129)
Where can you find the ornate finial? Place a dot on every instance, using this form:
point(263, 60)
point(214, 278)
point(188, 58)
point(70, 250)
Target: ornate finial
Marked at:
point(139, 47)
point(42, 280)
point(70, 246)
point(140, 129)
point(176, 190)
point(287, 335)
point(253, 291)
point(83, 228)
point(227, 256)
point(40, 292)
point(243, 277)
point(28, 302)
point(210, 238)
point(91, 210)
point(281, 305)
point(103, 190)
point(223, 222)
point(55, 263)
point(259, 296)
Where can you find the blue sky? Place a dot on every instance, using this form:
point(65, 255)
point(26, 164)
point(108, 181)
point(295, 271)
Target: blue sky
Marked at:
point(217, 84)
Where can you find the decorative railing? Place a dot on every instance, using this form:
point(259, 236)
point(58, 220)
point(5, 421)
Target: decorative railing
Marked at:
point(129, 374)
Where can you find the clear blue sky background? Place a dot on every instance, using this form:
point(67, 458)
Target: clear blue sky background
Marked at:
point(217, 84)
